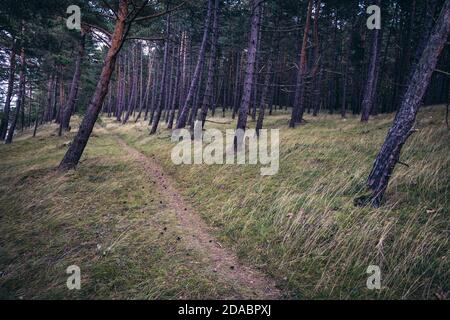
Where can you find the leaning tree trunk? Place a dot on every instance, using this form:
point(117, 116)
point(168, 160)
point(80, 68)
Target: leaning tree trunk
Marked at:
point(372, 79)
point(7, 109)
point(297, 110)
point(251, 59)
point(9, 136)
point(68, 110)
point(73, 155)
point(405, 118)
point(264, 96)
point(207, 99)
point(181, 122)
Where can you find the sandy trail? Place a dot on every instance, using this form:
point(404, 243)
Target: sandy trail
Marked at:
point(224, 262)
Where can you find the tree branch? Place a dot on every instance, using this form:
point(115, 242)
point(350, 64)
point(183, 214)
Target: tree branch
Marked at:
point(110, 8)
point(159, 14)
point(443, 72)
point(146, 39)
point(138, 12)
point(109, 34)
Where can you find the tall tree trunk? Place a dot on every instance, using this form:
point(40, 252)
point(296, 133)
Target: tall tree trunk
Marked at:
point(406, 71)
point(48, 107)
point(61, 105)
point(119, 88)
point(55, 90)
point(171, 84)
point(9, 136)
point(146, 98)
point(207, 99)
point(61, 96)
point(315, 95)
point(430, 9)
point(6, 111)
point(237, 84)
point(70, 105)
point(176, 89)
point(264, 95)
point(256, 74)
point(22, 109)
point(384, 74)
point(73, 155)
point(161, 94)
point(402, 127)
point(181, 123)
point(30, 105)
point(141, 79)
point(155, 94)
point(344, 93)
point(297, 110)
point(194, 109)
point(133, 100)
point(256, 6)
point(372, 78)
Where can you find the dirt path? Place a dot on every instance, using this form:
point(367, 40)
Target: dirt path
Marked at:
point(224, 262)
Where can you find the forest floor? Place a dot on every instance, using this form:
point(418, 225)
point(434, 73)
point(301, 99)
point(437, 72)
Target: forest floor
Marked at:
point(141, 227)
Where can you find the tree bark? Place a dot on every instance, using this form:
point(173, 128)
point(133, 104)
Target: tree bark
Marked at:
point(176, 89)
point(120, 88)
point(372, 78)
point(237, 85)
point(315, 70)
point(264, 96)
point(250, 70)
point(181, 122)
point(297, 110)
point(171, 85)
point(9, 136)
point(159, 103)
point(147, 88)
point(207, 99)
point(402, 127)
point(256, 74)
point(6, 111)
point(73, 155)
point(133, 100)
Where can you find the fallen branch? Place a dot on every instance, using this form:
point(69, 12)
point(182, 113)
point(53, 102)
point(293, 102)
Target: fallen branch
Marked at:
point(403, 164)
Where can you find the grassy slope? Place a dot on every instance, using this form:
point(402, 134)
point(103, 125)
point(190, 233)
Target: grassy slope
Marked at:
point(105, 218)
point(299, 226)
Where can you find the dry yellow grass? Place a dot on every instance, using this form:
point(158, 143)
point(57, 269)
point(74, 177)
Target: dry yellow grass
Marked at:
point(300, 227)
